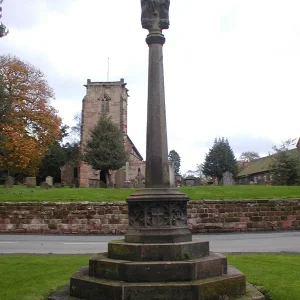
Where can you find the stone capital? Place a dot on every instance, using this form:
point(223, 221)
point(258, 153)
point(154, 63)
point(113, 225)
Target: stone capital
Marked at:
point(155, 39)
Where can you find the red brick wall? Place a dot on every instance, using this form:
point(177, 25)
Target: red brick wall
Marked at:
point(111, 218)
point(250, 215)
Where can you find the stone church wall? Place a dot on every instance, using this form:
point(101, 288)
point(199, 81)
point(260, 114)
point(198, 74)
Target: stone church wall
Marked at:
point(98, 93)
point(111, 218)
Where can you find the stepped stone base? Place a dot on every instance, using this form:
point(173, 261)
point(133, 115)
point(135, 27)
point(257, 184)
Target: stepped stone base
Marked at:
point(169, 271)
point(130, 271)
point(230, 286)
point(157, 252)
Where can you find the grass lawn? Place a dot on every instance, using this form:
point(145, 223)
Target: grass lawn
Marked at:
point(29, 277)
point(21, 193)
point(277, 273)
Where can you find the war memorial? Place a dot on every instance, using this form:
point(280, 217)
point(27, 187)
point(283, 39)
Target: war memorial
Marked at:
point(157, 260)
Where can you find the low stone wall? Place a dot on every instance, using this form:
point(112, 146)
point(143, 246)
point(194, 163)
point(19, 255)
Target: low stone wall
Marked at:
point(111, 218)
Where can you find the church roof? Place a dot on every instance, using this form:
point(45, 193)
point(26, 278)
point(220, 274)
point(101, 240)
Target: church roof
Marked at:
point(135, 149)
point(259, 165)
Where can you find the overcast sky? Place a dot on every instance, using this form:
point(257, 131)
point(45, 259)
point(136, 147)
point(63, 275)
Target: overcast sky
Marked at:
point(232, 67)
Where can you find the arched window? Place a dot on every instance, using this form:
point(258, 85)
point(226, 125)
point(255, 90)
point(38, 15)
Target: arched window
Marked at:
point(104, 105)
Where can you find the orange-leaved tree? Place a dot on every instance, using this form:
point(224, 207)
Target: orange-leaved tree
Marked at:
point(33, 123)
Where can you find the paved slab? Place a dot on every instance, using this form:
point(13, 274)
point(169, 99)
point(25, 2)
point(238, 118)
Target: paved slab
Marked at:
point(74, 244)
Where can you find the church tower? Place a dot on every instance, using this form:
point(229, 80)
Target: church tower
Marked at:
point(102, 98)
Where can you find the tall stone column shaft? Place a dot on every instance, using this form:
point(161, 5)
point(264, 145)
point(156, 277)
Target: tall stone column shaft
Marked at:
point(157, 165)
point(158, 213)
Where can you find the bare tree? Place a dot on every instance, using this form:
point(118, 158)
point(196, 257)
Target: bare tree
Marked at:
point(249, 156)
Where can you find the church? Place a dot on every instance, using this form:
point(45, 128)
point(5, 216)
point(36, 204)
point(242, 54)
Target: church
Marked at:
point(111, 99)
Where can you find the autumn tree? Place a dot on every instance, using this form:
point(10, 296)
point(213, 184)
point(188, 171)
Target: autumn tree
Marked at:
point(105, 149)
point(175, 158)
point(249, 156)
point(3, 30)
point(34, 124)
point(220, 159)
point(285, 164)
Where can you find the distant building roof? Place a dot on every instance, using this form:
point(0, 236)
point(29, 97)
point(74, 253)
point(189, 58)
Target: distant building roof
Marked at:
point(259, 165)
point(135, 149)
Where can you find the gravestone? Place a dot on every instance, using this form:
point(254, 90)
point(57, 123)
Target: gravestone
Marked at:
point(102, 184)
point(127, 183)
point(227, 179)
point(9, 182)
point(31, 182)
point(140, 180)
point(120, 178)
point(172, 174)
point(178, 177)
point(49, 180)
point(178, 180)
point(94, 183)
point(44, 186)
point(75, 183)
point(190, 181)
point(197, 181)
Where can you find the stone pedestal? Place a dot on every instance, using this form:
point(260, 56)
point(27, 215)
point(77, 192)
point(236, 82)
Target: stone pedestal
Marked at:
point(157, 216)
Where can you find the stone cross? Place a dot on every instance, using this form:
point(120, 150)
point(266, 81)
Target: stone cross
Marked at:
point(140, 179)
point(157, 216)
